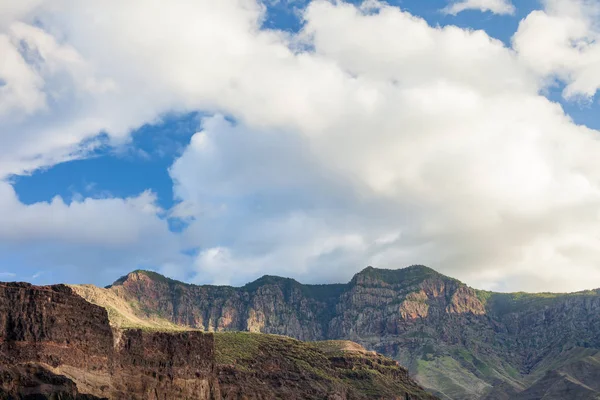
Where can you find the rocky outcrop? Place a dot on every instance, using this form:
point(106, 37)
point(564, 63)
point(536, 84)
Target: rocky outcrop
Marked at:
point(50, 316)
point(54, 342)
point(31, 381)
point(459, 342)
point(56, 345)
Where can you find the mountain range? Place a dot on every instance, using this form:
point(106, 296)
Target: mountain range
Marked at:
point(150, 337)
point(456, 341)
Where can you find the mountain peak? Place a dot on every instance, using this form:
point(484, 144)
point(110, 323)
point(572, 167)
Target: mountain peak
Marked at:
point(410, 274)
point(270, 280)
point(138, 273)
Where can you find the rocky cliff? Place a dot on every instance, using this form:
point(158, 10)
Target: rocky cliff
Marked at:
point(56, 345)
point(459, 342)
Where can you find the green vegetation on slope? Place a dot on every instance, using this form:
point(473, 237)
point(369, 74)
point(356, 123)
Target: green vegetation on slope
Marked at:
point(245, 350)
point(124, 314)
point(405, 276)
point(317, 292)
point(342, 364)
point(504, 303)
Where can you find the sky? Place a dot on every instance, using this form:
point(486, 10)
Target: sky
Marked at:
point(216, 142)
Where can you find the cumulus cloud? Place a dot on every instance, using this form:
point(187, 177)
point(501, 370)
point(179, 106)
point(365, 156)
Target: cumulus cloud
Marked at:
point(38, 71)
point(494, 6)
point(370, 137)
point(92, 240)
point(15, 10)
point(562, 42)
point(261, 203)
point(225, 63)
point(470, 171)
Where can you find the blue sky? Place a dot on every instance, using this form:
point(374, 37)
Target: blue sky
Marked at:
point(122, 172)
point(391, 139)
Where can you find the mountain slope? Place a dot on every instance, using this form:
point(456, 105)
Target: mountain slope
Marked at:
point(457, 341)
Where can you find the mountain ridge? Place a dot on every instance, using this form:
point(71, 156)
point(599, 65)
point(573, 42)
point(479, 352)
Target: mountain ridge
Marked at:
point(460, 342)
point(427, 272)
point(368, 271)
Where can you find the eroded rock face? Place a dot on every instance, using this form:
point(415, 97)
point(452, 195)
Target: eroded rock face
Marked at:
point(56, 345)
point(31, 381)
point(160, 365)
point(367, 305)
point(270, 305)
point(50, 318)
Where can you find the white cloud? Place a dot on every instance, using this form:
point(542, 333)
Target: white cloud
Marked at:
point(91, 239)
point(262, 203)
point(224, 63)
point(15, 10)
point(494, 6)
point(390, 142)
point(37, 71)
point(21, 85)
point(563, 42)
point(471, 166)
point(37, 275)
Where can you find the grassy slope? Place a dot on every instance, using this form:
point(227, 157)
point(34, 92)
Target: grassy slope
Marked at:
point(339, 364)
point(566, 358)
point(122, 313)
point(459, 371)
point(578, 377)
point(504, 303)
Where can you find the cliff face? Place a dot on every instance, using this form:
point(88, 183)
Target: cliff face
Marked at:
point(459, 342)
point(269, 305)
point(54, 342)
point(56, 345)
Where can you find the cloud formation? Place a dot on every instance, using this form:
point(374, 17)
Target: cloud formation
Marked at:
point(502, 7)
point(562, 42)
point(92, 240)
point(370, 137)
